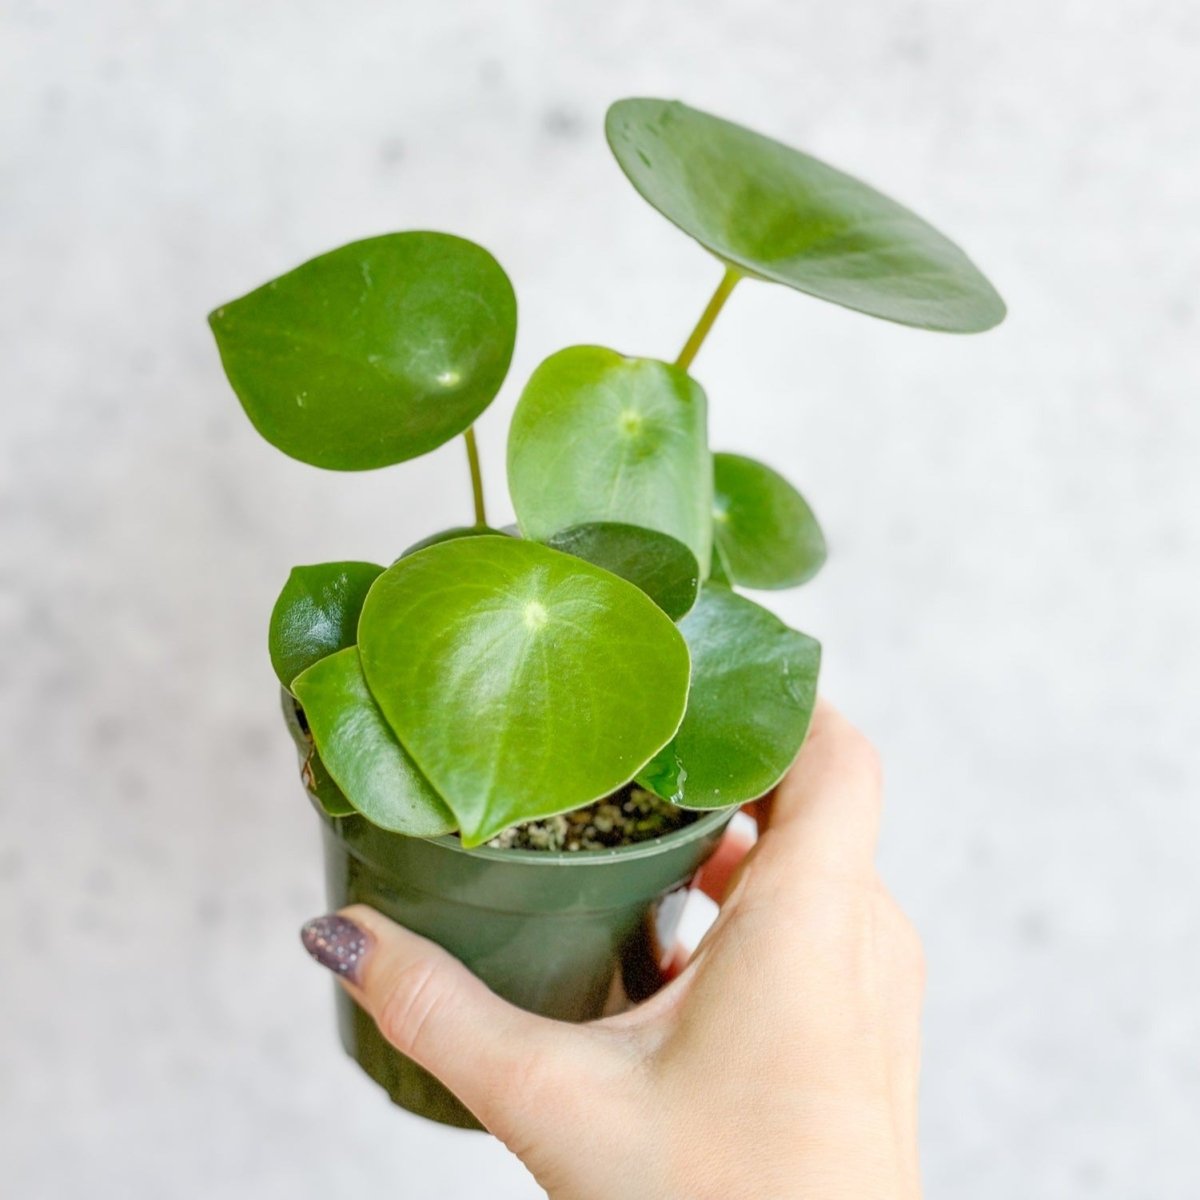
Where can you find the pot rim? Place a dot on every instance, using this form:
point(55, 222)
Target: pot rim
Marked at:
point(649, 848)
point(594, 858)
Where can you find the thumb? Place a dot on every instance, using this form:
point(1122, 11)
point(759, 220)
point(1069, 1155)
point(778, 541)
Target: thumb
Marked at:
point(506, 1065)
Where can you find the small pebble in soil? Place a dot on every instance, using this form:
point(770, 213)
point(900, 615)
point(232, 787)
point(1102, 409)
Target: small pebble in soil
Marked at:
point(628, 816)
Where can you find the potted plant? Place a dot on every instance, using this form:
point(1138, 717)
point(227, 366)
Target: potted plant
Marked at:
point(520, 740)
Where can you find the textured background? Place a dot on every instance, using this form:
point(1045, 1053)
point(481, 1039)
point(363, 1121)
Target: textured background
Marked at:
point(1011, 608)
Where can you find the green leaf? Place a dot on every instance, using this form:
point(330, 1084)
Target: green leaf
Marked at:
point(449, 535)
point(316, 614)
point(765, 533)
point(754, 684)
point(374, 353)
point(771, 211)
point(664, 568)
point(322, 787)
point(316, 779)
point(362, 753)
point(599, 437)
point(523, 682)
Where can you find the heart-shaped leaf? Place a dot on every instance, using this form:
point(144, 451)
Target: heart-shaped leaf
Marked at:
point(522, 681)
point(754, 684)
point(316, 614)
point(771, 211)
point(663, 567)
point(599, 437)
point(374, 353)
point(449, 535)
point(316, 779)
point(764, 532)
point(362, 753)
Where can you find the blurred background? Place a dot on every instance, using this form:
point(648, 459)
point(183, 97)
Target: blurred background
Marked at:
point(1010, 609)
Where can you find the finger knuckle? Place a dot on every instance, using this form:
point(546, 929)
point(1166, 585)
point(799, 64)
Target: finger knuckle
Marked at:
point(855, 752)
point(908, 949)
point(914, 953)
point(410, 1001)
point(866, 758)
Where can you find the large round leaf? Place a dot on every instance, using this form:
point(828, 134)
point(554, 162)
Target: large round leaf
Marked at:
point(316, 614)
point(522, 681)
point(774, 212)
point(664, 568)
point(764, 533)
point(373, 353)
point(600, 437)
point(754, 684)
point(361, 752)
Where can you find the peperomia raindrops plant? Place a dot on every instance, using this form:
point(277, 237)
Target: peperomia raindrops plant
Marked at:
point(486, 678)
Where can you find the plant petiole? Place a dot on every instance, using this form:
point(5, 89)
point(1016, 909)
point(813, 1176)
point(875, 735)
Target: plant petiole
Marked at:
point(476, 475)
point(707, 317)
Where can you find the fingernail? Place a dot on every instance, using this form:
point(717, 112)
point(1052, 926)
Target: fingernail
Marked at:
point(337, 943)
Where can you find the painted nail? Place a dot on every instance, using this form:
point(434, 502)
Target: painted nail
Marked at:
point(337, 943)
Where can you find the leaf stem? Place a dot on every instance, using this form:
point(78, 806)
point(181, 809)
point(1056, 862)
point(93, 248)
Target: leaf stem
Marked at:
point(476, 475)
point(707, 317)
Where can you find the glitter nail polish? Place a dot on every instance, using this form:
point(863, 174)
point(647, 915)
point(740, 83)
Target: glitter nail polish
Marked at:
point(337, 943)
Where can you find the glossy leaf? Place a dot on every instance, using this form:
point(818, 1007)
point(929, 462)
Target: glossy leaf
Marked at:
point(316, 614)
point(765, 534)
point(664, 568)
point(323, 787)
point(774, 212)
point(523, 681)
point(754, 684)
point(316, 779)
point(449, 535)
point(361, 752)
point(600, 437)
point(374, 353)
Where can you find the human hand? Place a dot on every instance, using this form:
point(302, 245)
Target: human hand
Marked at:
point(781, 1061)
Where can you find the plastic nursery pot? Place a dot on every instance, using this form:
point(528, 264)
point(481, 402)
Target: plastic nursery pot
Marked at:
point(547, 931)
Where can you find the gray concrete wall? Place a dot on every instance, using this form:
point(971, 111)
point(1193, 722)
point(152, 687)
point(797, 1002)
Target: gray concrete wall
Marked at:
point(1010, 609)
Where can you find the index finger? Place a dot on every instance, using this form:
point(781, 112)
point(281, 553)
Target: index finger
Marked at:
point(826, 810)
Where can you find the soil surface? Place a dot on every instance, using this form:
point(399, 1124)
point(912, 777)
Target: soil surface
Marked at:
point(628, 816)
